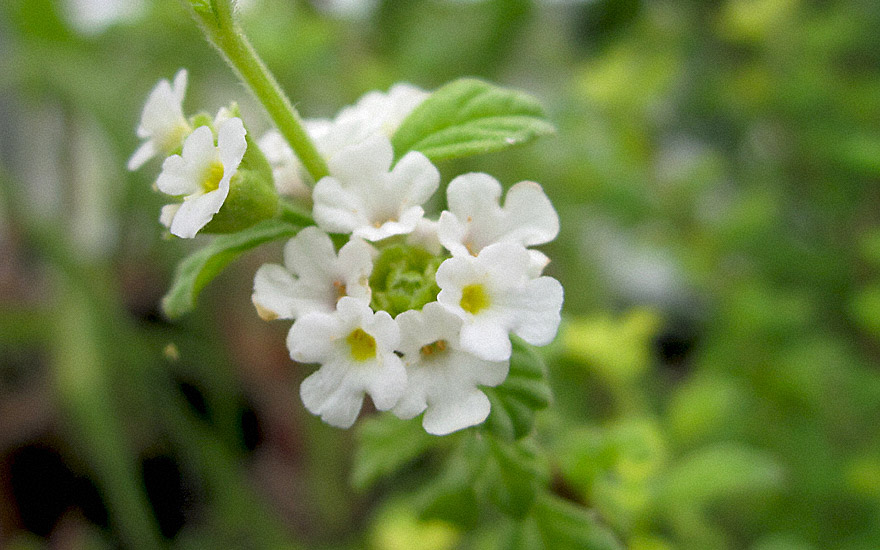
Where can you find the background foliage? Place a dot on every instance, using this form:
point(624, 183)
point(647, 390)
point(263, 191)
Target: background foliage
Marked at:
point(715, 383)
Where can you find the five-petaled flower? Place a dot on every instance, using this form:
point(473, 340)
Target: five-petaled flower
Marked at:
point(355, 347)
point(494, 295)
point(201, 174)
point(365, 196)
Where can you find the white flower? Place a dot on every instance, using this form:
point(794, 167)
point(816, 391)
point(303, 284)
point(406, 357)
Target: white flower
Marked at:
point(442, 379)
point(476, 219)
point(162, 122)
point(287, 171)
point(355, 348)
point(202, 173)
point(374, 113)
point(313, 278)
point(362, 197)
point(494, 294)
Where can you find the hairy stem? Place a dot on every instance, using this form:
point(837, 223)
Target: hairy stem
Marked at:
point(220, 28)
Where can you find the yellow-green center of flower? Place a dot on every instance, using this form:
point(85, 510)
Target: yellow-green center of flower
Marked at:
point(433, 349)
point(474, 299)
point(213, 175)
point(362, 345)
point(174, 137)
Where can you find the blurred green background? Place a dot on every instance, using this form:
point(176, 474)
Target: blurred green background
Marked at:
point(716, 377)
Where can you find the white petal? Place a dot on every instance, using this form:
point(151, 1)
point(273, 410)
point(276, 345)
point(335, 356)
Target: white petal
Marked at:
point(175, 178)
point(198, 148)
point(274, 291)
point(143, 153)
point(179, 86)
point(310, 255)
point(451, 416)
point(507, 264)
point(424, 234)
point(167, 214)
point(410, 405)
point(415, 177)
point(330, 394)
point(537, 262)
point(471, 195)
point(336, 209)
point(530, 218)
point(366, 159)
point(406, 224)
point(356, 262)
point(231, 143)
point(388, 383)
point(540, 303)
point(492, 373)
point(451, 232)
point(196, 212)
point(455, 273)
point(162, 112)
point(486, 339)
point(311, 337)
point(383, 328)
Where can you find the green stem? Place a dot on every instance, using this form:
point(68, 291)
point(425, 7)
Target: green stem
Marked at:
point(222, 31)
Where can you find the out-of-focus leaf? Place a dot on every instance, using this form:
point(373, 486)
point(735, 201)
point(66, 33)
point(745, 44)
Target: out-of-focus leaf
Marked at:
point(619, 350)
point(200, 268)
point(470, 117)
point(565, 526)
point(523, 392)
point(513, 474)
point(385, 445)
point(721, 471)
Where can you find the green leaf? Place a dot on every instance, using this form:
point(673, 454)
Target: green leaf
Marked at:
point(566, 526)
point(470, 117)
point(513, 476)
point(523, 392)
point(720, 472)
point(200, 268)
point(385, 445)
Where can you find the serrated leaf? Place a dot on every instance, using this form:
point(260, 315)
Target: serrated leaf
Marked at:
point(524, 391)
point(470, 117)
point(566, 526)
point(385, 445)
point(200, 268)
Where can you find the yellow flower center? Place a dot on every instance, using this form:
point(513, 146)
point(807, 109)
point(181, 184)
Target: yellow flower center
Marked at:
point(213, 175)
point(433, 349)
point(362, 345)
point(474, 299)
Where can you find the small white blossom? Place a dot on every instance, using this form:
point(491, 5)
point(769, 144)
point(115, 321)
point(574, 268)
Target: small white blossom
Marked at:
point(201, 173)
point(287, 171)
point(162, 122)
point(364, 196)
point(476, 219)
point(313, 277)
point(494, 294)
point(374, 113)
point(442, 379)
point(355, 348)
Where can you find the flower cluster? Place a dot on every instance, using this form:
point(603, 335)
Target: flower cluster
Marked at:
point(415, 312)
